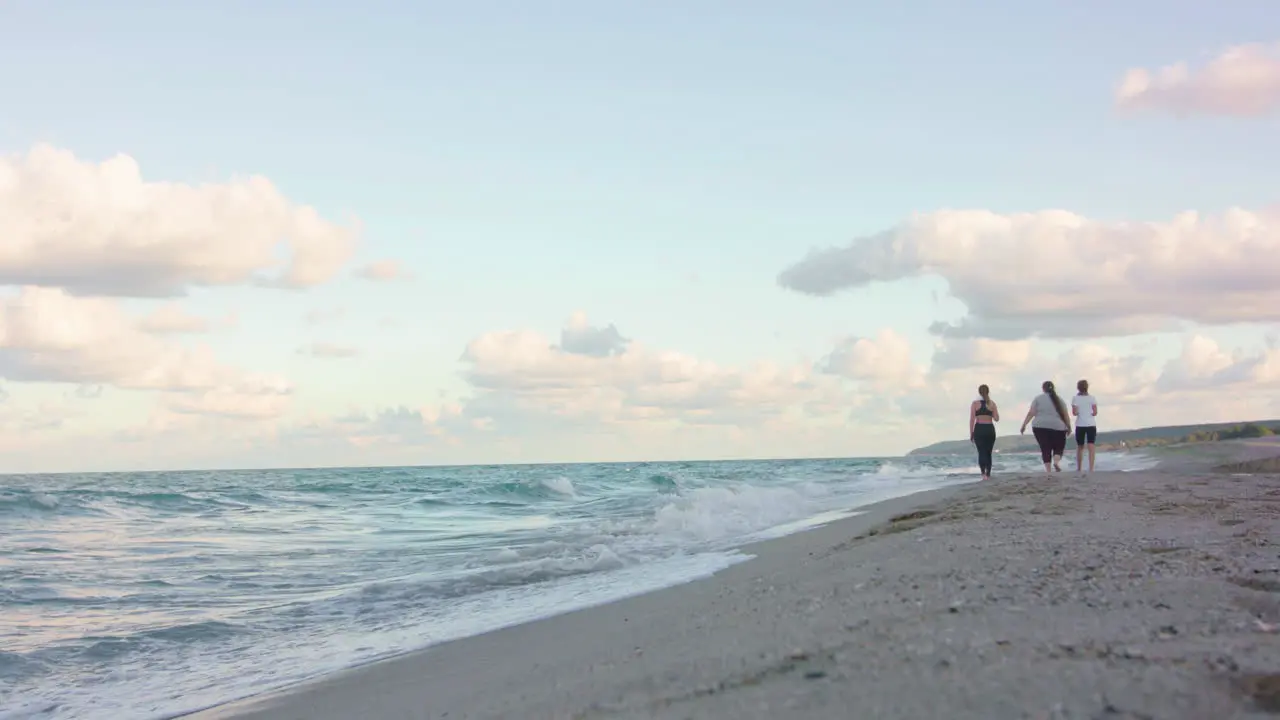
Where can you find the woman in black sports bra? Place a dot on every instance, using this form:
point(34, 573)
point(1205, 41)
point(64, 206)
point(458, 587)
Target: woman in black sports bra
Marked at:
point(983, 415)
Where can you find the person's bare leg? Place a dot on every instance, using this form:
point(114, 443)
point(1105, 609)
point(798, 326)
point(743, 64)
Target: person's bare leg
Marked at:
point(1080, 457)
point(1091, 455)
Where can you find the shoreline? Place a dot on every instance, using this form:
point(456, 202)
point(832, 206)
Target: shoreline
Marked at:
point(1150, 593)
point(864, 517)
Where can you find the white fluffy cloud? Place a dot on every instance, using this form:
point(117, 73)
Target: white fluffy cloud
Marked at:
point(1203, 383)
point(523, 383)
point(101, 229)
point(594, 396)
point(594, 377)
point(531, 399)
point(1014, 372)
point(884, 361)
point(984, 353)
point(1204, 365)
point(48, 335)
point(529, 393)
point(1057, 274)
point(1242, 81)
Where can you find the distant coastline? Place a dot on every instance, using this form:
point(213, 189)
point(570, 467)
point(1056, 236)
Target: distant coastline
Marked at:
point(1125, 439)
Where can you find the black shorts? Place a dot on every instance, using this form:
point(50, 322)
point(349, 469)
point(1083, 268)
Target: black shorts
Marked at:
point(1087, 435)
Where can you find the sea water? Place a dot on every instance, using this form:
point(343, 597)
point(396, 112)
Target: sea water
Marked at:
point(148, 595)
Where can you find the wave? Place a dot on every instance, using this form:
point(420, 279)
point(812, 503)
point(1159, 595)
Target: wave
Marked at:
point(18, 502)
point(715, 513)
point(535, 489)
point(196, 584)
point(26, 503)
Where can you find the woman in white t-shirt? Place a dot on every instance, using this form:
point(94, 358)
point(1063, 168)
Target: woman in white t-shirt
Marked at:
point(1085, 409)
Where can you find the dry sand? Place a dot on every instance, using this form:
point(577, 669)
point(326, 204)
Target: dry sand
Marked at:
point(1118, 595)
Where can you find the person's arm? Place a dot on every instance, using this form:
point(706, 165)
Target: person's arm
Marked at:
point(1031, 412)
point(973, 419)
point(995, 411)
point(1095, 408)
point(1075, 408)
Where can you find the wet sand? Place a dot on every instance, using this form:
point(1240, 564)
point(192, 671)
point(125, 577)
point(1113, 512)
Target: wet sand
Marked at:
point(1117, 595)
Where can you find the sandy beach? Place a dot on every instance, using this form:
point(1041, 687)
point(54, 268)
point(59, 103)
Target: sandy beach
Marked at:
point(1150, 594)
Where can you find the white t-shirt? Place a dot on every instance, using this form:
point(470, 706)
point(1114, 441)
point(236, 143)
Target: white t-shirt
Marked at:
point(1084, 405)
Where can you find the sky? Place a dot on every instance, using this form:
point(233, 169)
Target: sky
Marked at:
point(288, 234)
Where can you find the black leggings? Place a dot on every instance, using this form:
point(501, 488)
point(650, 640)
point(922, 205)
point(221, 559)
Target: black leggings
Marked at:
point(984, 436)
point(1052, 442)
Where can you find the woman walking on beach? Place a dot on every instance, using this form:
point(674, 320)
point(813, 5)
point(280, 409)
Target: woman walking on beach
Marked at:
point(1050, 424)
point(1085, 409)
point(983, 415)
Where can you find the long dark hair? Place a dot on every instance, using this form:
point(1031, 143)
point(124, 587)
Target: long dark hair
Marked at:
point(1058, 405)
point(985, 392)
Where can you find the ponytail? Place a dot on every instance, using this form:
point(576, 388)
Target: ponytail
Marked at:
point(1057, 403)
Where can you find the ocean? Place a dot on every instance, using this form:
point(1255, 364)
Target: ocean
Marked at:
point(149, 595)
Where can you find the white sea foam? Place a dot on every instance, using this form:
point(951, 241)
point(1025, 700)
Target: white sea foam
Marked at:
point(716, 513)
point(560, 485)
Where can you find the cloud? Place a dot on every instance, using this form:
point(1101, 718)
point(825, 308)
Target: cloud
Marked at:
point(170, 319)
point(391, 427)
point(957, 353)
point(521, 376)
point(1242, 81)
point(530, 399)
point(383, 271)
point(100, 229)
point(884, 360)
point(1057, 274)
point(1204, 383)
point(330, 351)
point(21, 427)
point(1126, 378)
point(581, 338)
point(1204, 365)
point(1014, 371)
point(528, 394)
point(256, 402)
point(524, 386)
point(47, 335)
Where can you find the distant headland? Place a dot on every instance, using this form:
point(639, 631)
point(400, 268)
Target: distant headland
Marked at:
point(1130, 439)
